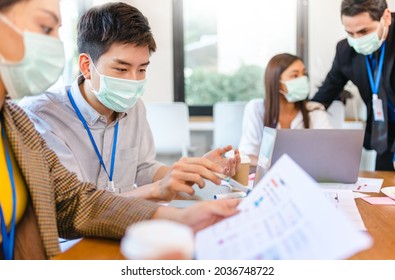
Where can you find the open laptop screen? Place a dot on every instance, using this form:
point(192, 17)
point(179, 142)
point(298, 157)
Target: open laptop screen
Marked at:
point(265, 153)
point(328, 155)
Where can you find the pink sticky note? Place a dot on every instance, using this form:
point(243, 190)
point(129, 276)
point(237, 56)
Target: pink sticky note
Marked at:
point(379, 200)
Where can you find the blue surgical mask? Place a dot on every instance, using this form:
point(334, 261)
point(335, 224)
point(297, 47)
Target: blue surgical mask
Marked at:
point(367, 44)
point(117, 94)
point(41, 66)
point(297, 89)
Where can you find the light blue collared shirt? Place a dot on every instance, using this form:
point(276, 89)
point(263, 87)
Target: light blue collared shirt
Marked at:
point(56, 120)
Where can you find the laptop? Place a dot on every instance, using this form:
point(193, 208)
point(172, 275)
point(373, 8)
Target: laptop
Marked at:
point(328, 155)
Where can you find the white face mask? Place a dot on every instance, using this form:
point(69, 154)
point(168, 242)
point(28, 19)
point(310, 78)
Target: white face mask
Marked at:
point(369, 43)
point(41, 66)
point(297, 89)
point(117, 94)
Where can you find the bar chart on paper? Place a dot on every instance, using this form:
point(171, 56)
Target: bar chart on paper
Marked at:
point(286, 216)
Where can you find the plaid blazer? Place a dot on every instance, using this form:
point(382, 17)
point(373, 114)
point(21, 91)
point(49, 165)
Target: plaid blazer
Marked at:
point(64, 206)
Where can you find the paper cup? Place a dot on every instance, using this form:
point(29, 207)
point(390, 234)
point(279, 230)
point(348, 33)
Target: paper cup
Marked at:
point(243, 172)
point(157, 239)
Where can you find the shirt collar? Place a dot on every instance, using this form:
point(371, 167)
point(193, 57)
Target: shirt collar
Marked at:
point(90, 115)
point(297, 122)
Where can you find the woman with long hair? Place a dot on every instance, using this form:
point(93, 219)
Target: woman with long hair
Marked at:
point(284, 106)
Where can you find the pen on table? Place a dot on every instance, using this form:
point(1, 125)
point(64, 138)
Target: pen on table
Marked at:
point(230, 195)
point(233, 183)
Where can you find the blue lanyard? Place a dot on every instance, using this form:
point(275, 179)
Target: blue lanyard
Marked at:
point(8, 237)
point(114, 145)
point(375, 84)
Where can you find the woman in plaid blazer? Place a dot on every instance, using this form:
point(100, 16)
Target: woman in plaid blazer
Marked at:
point(57, 204)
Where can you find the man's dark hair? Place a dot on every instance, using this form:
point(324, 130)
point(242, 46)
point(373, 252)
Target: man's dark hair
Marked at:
point(102, 26)
point(5, 4)
point(375, 8)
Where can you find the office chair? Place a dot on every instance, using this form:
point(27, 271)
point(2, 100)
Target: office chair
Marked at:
point(228, 121)
point(169, 124)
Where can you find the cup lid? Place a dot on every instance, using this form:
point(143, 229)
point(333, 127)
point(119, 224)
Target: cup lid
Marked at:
point(154, 238)
point(245, 159)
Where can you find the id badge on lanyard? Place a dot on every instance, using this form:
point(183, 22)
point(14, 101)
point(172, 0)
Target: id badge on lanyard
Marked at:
point(378, 110)
point(110, 183)
point(377, 103)
point(110, 186)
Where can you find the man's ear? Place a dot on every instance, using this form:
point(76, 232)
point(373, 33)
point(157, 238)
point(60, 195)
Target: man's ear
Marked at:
point(84, 63)
point(387, 17)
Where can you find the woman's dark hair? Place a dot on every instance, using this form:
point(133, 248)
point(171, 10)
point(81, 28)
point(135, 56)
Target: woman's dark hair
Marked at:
point(5, 4)
point(276, 66)
point(375, 8)
point(102, 26)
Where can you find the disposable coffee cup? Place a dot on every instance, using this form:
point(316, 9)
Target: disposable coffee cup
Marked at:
point(157, 239)
point(243, 172)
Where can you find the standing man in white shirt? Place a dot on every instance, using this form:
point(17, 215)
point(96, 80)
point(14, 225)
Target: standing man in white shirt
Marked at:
point(98, 126)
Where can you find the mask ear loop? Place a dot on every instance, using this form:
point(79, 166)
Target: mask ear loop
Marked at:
point(91, 87)
point(94, 66)
point(89, 80)
point(10, 24)
point(385, 34)
point(385, 30)
point(281, 91)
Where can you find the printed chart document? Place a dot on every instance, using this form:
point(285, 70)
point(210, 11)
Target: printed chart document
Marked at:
point(286, 216)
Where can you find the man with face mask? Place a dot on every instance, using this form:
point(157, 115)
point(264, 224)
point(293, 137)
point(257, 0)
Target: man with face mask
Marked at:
point(366, 58)
point(98, 125)
point(40, 199)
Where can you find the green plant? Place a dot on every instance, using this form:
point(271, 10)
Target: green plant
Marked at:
point(204, 87)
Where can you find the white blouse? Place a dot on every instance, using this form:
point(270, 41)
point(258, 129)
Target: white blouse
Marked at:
point(251, 138)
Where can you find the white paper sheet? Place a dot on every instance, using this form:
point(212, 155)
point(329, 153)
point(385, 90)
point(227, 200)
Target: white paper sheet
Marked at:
point(286, 216)
point(360, 195)
point(344, 201)
point(362, 185)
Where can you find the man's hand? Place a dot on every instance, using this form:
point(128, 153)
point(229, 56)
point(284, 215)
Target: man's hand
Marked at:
point(230, 165)
point(183, 174)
